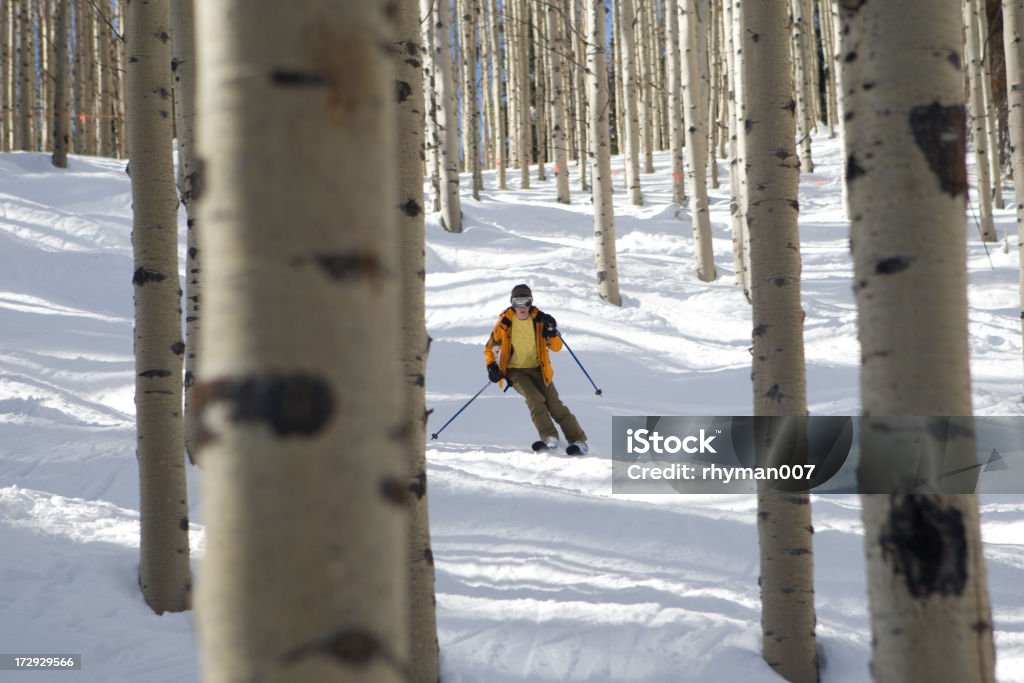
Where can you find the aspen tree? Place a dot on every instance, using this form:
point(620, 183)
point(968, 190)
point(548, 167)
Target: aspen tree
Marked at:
point(696, 143)
point(60, 86)
point(629, 75)
point(906, 168)
point(447, 124)
point(647, 90)
point(991, 107)
point(432, 140)
point(600, 155)
point(26, 72)
point(499, 94)
point(737, 141)
point(520, 51)
point(579, 32)
point(779, 380)
point(973, 57)
point(541, 75)
point(305, 577)
point(424, 663)
point(558, 130)
point(803, 97)
point(164, 573)
point(470, 104)
point(6, 82)
point(183, 68)
point(486, 87)
point(673, 74)
point(1013, 45)
point(106, 88)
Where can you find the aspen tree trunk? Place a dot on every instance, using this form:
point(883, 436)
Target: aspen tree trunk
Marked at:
point(106, 95)
point(557, 47)
point(91, 123)
point(424, 665)
point(673, 74)
point(184, 70)
point(513, 110)
point(60, 86)
point(978, 113)
point(521, 54)
point(470, 103)
point(432, 143)
point(631, 89)
point(78, 82)
point(1013, 44)
point(305, 576)
point(647, 90)
point(6, 81)
point(696, 144)
point(779, 380)
point(121, 130)
point(447, 124)
point(541, 75)
point(931, 618)
point(43, 103)
point(843, 73)
point(486, 86)
point(600, 154)
point(804, 105)
point(164, 573)
point(579, 33)
point(26, 74)
point(991, 109)
point(497, 85)
point(737, 165)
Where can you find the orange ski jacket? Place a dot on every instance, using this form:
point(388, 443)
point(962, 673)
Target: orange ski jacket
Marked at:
point(501, 336)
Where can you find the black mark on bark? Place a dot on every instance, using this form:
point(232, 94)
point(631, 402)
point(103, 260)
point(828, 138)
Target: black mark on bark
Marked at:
point(941, 134)
point(927, 545)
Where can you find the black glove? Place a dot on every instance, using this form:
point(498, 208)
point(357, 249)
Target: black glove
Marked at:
point(494, 373)
point(550, 326)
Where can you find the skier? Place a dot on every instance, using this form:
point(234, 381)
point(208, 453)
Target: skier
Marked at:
point(525, 334)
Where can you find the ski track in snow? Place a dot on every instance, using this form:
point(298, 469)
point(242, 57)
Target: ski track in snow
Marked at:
point(542, 573)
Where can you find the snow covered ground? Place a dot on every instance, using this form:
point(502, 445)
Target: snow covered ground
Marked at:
point(542, 573)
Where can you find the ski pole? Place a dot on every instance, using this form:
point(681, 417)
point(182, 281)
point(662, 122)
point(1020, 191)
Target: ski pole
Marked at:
point(566, 345)
point(434, 435)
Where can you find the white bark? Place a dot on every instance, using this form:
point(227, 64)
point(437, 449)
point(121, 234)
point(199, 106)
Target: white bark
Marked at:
point(600, 155)
point(305, 576)
point(906, 167)
point(778, 373)
point(673, 74)
point(1013, 44)
point(448, 129)
point(557, 43)
point(696, 143)
point(164, 573)
point(627, 45)
point(979, 137)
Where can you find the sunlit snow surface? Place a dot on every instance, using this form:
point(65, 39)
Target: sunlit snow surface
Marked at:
point(542, 574)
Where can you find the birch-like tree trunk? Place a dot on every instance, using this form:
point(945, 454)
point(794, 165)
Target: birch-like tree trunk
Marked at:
point(499, 94)
point(107, 120)
point(432, 141)
point(60, 86)
point(801, 33)
point(779, 379)
point(737, 165)
point(6, 79)
point(424, 664)
point(556, 36)
point(305, 576)
point(1013, 45)
point(469, 13)
point(164, 573)
point(447, 119)
point(696, 142)
point(184, 70)
point(583, 106)
point(627, 46)
point(907, 175)
point(673, 75)
point(26, 76)
point(600, 155)
point(976, 70)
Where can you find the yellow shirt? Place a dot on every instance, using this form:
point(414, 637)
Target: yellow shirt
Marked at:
point(524, 344)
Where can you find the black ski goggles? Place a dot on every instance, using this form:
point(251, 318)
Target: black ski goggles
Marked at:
point(522, 301)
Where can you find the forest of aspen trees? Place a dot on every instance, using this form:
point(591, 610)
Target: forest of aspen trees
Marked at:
point(287, 113)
